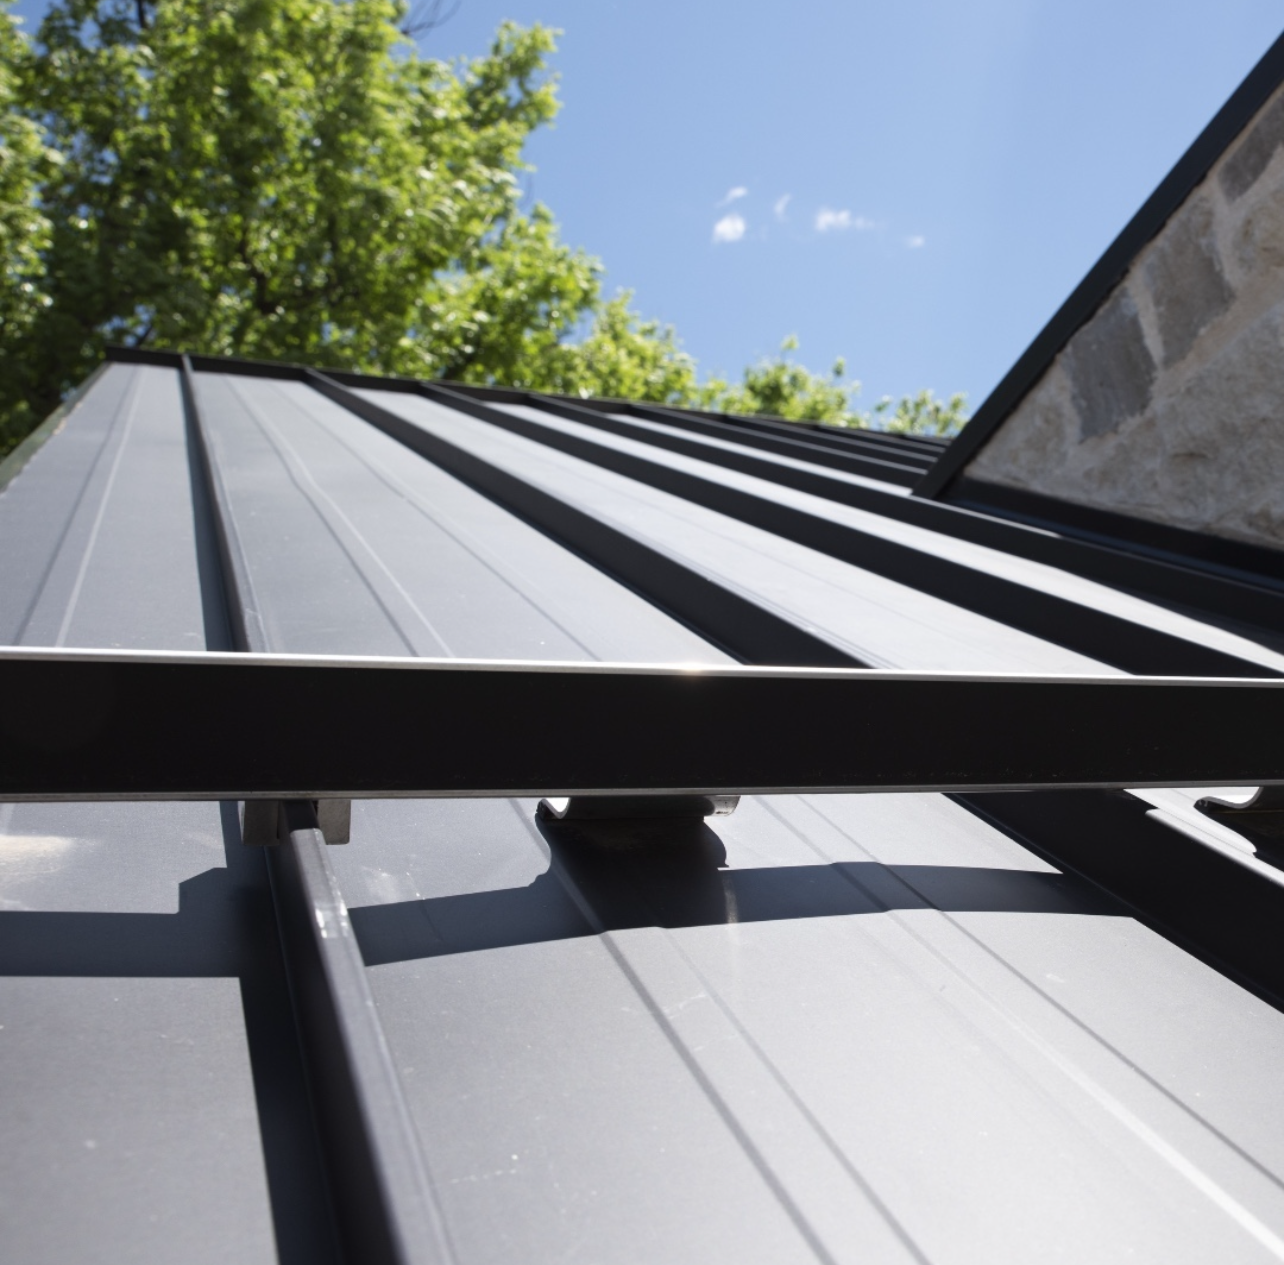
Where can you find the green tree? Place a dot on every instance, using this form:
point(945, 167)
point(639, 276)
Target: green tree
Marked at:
point(921, 414)
point(24, 229)
point(290, 179)
point(781, 387)
point(286, 178)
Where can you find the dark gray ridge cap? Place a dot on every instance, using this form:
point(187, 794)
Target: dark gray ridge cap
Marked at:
point(922, 447)
point(1226, 127)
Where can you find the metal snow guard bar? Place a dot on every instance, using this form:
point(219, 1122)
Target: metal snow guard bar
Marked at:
point(124, 725)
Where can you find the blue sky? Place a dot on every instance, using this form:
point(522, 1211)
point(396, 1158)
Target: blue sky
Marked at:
point(913, 186)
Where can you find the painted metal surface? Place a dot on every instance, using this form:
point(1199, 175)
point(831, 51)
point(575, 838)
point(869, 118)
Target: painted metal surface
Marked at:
point(842, 1028)
point(109, 725)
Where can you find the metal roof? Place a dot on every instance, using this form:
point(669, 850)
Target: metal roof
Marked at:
point(878, 1027)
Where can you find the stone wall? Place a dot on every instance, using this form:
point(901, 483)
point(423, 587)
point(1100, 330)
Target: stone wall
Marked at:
point(1168, 404)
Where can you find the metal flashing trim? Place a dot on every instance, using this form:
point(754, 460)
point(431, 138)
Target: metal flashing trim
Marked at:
point(143, 356)
point(1238, 561)
point(1102, 278)
point(115, 725)
point(194, 360)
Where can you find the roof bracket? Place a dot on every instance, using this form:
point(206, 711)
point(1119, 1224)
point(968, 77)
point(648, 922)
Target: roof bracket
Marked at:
point(1263, 815)
point(631, 807)
point(264, 822)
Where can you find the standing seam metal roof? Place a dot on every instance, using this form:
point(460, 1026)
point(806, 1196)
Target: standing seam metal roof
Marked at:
point(827, 1028)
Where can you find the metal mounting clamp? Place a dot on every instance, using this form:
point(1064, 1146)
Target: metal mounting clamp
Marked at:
point(629, 807)
point(263, 823)
point(1262, 815)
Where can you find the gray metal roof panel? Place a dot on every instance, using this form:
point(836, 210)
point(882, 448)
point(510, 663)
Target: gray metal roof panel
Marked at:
point(1035, 575)
point(99, 529)
point(374, 523)
point(152, 1101)
point(879, 620)
point(830, 1028)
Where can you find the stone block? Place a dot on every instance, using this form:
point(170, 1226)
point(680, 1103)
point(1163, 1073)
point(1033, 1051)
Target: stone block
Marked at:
point(1111, 370)
point(1220, 456)
point(1185, 279)
point(1262, 138)
point(1259, 238)
point(1036, 441)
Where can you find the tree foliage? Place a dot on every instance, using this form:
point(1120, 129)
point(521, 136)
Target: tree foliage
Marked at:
point(290, 179)
point(24, 226)
point(921, 414)
point(781, 387)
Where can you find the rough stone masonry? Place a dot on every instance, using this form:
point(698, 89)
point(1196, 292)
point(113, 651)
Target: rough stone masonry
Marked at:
point(1168, 404)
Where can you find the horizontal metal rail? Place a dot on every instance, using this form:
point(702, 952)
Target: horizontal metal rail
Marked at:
point(138, 726)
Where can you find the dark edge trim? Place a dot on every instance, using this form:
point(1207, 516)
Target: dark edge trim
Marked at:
point(1106, 273)
point(737, 626)
point(1235, 560)
point(371, 381)
point(205, 364)
point(882, 443)
point(12, 466)
point(248, 368)
point(143, 356)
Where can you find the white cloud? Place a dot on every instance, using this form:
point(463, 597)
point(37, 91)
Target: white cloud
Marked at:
point(782, 205)
point(915, 242)
point(734, 195)
point(731, 228)
point(827, 221)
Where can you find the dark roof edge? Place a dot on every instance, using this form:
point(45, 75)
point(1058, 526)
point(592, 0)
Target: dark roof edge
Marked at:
point(1106, 273)
point(489, 394)
point(1241, 561)
point(13, 464)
